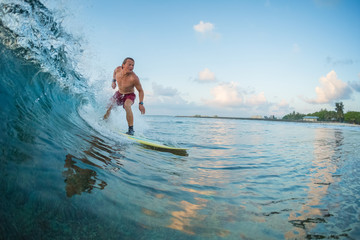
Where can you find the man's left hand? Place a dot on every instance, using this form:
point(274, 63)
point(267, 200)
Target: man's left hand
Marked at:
point(142, 108)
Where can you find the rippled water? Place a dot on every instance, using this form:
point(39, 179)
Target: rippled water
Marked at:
point(241, 180)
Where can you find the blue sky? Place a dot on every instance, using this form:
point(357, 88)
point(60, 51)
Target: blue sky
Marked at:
point(227, 58)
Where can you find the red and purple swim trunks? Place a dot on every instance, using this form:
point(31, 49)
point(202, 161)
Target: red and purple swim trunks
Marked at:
point(121, 98)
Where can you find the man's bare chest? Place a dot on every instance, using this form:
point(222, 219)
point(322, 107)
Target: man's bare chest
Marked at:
point(125, 80)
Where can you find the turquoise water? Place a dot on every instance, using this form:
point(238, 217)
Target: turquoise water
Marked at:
point(241, 180)
point(67, 174)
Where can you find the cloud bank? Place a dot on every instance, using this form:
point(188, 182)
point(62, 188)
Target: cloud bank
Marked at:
point(231, 95)
point(160, 90)
point(164, 95)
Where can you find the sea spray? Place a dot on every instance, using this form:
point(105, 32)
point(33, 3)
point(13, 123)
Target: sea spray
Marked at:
point(30, 28)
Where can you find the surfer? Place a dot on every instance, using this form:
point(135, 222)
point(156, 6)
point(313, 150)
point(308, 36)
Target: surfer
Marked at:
point(126, 80)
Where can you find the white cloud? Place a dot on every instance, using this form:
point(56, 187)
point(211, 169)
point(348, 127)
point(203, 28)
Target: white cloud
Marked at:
point(204, 27)
point(255, 100)
point(230, 95)
point(206, 76)
point(226, 95)
point(331, 88)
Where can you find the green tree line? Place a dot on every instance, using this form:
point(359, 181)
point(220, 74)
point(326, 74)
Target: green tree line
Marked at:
point(352, 117)
point(325, 115)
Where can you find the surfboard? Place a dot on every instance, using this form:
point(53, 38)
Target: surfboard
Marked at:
point(148, 143)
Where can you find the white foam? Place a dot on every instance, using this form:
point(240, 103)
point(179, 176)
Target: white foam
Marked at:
point(115, 123)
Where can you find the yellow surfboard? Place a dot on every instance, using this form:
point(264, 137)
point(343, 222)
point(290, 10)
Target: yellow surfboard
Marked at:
point(156, 145)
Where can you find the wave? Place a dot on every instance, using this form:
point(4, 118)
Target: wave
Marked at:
point(53, 145)
point(41, 87)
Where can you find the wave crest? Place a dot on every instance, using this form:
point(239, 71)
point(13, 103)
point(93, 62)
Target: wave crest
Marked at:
point(31, 29)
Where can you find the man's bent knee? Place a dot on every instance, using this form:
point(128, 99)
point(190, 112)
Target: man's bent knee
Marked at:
point(127, 104)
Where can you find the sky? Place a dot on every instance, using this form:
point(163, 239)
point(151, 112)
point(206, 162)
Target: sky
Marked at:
point(238, 58)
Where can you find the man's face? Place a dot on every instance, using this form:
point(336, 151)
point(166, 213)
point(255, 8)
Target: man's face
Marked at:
point(128, 66)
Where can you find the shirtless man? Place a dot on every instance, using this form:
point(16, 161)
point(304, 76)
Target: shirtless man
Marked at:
point(125, 96)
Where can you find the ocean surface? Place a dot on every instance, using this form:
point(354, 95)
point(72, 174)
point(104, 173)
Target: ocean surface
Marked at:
point(67, 174)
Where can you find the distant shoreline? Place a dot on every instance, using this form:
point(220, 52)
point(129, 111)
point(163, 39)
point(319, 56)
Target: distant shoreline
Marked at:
point(274, 120)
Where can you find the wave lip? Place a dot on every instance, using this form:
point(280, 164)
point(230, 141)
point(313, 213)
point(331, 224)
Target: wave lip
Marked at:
point(34, 32)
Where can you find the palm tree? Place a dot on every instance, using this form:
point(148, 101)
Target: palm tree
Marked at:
point(339, 108)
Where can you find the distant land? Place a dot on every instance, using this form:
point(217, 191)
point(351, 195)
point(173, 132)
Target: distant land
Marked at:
point(256, 118)
point(324, 116)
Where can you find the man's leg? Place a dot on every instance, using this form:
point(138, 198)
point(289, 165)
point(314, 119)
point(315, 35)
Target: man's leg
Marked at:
point(107, 114)
point(114, 100)
point(129, 114)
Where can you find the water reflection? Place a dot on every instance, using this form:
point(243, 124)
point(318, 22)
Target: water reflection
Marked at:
point(184, 219)
point(195, 213)
point(79, 179)
point(327, 144)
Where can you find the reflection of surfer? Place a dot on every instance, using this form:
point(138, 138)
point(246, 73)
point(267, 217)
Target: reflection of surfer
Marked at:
point(78, 179)
point(125, 96)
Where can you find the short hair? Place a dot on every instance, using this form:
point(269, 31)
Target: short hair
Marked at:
point(128, 58)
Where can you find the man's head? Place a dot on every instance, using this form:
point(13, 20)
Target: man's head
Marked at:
point(128, 64)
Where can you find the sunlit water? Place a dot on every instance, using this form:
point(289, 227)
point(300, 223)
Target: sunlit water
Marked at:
point(240, 180)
